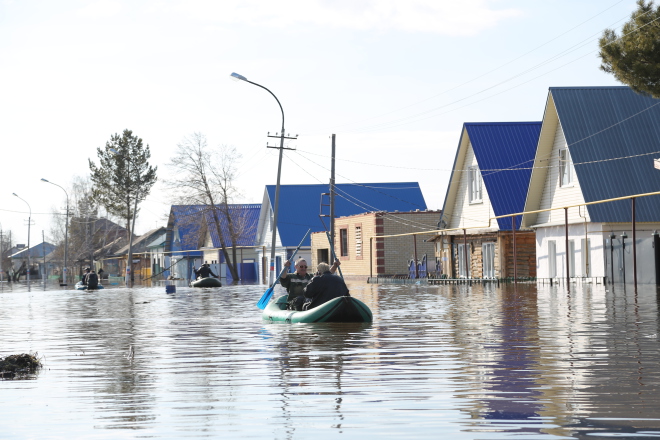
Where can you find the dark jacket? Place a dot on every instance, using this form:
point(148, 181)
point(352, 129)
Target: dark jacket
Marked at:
point(295, 284)
point(204, 272)
point(324, 288)
point(92, 280)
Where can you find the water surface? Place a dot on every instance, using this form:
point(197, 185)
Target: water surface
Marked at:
point(459, 362)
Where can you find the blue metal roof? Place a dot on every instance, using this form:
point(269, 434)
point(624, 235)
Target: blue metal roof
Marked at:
point(300, 205)
point(505, 153)
point(245, 219)
point(36, 251)
point(605, 128)
point(192, 221)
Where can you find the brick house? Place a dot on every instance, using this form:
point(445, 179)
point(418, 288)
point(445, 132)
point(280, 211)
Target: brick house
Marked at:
point(372, 244)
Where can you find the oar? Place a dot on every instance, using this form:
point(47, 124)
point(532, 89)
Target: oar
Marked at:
point(332, 252)
point(265, 299)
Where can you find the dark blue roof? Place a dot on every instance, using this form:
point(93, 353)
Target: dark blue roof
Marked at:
point(300, 204)
point(192, 221)
point(505, 153)
point(36, 251)
point(605, 123)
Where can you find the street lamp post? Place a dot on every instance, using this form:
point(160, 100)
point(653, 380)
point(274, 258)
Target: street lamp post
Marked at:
point(238, 77)
point(129, 260)
point(66, 233)
point(28, 243)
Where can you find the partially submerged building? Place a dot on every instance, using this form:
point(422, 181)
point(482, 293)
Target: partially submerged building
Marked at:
point(489, 179)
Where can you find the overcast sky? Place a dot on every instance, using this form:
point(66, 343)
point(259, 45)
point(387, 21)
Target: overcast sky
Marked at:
point(393, 79)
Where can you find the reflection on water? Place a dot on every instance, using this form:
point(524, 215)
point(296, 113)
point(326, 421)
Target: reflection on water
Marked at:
point(464, 362)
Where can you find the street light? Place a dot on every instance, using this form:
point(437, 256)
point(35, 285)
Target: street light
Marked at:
point(28, 243)
point(129, 261)
point(66, 232)
point(238, 77)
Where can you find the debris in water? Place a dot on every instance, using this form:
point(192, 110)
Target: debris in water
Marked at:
point(19, 366)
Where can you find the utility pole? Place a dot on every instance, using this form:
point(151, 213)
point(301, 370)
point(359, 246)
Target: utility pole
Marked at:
point(332, 194)
point(276, 208)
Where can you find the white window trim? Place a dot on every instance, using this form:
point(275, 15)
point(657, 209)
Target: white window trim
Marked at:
point(565, 168)
point(475, 195)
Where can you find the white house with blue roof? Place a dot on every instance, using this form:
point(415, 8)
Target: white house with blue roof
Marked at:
point(489, 178)
point(192, 239)
point(596, 143)
point(300, 209)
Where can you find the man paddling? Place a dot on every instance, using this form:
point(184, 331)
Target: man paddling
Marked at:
point(295, 283)
point(204, 271)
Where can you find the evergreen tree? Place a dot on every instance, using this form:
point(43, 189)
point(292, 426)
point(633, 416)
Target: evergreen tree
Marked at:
point(124, 176)
point(634, 57)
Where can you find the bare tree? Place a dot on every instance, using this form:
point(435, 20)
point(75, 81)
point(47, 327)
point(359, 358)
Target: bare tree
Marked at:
point(206, 177)
point(89, 231)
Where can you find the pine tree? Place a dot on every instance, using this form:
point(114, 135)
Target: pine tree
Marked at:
point(124, 176)
point(634, 57)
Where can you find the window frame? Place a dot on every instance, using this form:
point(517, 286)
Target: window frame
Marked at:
point(343, 242)
point(475, 184)
point(565, 168)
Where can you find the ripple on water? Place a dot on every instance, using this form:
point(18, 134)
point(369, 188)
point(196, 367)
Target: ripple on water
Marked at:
point(457, 361)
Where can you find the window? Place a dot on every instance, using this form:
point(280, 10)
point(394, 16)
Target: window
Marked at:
point(474, 184)
point(358, 241)
point(552, 259)
point(463, 260)
point(343, 242)
point(571, 257)
point(565, 171)
point(488, 255)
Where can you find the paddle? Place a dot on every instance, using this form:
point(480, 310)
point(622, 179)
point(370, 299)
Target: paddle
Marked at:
point(265, 299)
point(332, 251)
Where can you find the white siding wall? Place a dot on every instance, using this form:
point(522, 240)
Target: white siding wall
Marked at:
point(466, 214)
point(555, 195)
point(576, 232)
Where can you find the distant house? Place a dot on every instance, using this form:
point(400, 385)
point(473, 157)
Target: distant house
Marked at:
point(595, 143)
point(141, 263)
point(364, 252)
point(160, 261)
point(192, 239)
point(300, 207)
point(36, 266)
point(490, 178)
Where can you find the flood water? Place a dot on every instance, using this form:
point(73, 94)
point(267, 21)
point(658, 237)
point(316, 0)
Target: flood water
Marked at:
point(448, 362)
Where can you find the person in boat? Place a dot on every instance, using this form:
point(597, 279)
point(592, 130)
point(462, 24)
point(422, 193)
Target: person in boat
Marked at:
point(84, 277)
point(295, 283)
point(92, 281)
point(205, 271)
point(325, 286)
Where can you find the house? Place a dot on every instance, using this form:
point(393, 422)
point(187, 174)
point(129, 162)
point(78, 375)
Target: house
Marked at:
point(378, 244)
point(596, 143)
point(160, 261)
point(301, 207)
point(192, 239)
point(36, 255)
point(489, 178)
point(141, 263)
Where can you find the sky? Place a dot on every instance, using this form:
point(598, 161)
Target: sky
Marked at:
point(394, 80)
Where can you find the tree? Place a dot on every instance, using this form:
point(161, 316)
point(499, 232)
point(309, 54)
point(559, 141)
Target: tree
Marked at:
point(206, 178)
point(634, 57)
point(124, 177)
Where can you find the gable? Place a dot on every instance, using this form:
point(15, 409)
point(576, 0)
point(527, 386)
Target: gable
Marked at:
point(466, 213)
point(613, 135)
point(504, 152)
